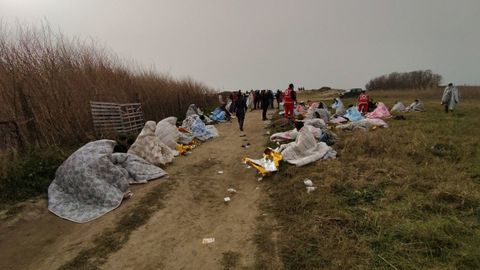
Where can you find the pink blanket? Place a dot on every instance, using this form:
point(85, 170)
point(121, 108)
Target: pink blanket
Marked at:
point(381, 112)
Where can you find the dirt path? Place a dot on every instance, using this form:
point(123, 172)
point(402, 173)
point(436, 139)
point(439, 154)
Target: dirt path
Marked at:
point(172, 237)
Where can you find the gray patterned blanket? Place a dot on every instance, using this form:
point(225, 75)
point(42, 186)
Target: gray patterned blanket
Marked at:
point(93, 180)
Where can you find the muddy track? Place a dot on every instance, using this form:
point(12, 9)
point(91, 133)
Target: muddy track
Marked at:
point(171, 237)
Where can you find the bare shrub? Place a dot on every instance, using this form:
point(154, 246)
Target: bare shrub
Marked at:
point(47, 81)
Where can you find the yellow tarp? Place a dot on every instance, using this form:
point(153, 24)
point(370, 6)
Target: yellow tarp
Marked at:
point(185, 148)
point(268, 164)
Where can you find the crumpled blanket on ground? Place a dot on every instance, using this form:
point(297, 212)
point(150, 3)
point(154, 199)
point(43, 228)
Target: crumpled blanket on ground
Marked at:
point(338, 120)
point(185, 137)
point(363, 124)
point(316, 122)
point(306, 149)
point(192, 110)
point(415, 107)
point(284, 136)
point(398, 107)
point(92, 181)
point(195, 125)
point(168, 133)
point(218, 115)
point(149, 147)
point(315, 112)
point(353, 114)
point(317, 128)
point(380, 112)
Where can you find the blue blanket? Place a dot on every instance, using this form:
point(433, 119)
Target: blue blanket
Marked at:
point(353, 114)
point(218, 115)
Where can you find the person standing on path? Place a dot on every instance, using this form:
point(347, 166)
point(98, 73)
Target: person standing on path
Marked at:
point(450, 97)
point(271, 98)
point(250, 100)
point(264, 102)
point(289, 98)
point(278, 97)
point(241, 109)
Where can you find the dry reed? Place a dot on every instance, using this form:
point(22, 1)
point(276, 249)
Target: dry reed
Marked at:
point(47, 81)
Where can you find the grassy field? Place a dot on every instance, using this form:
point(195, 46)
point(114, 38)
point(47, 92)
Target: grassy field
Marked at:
point(405, 197)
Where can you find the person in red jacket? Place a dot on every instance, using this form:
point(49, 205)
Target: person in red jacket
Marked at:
point(363, 102)
point(289, 98)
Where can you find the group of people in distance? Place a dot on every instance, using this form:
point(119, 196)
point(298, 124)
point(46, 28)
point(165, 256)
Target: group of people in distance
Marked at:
point(253, 99)
point(449, 100)
point(264, 99)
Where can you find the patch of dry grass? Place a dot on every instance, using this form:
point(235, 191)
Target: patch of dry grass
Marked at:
point(47, 81)
point(390, 199)
point(113, 239)
point(230, 260)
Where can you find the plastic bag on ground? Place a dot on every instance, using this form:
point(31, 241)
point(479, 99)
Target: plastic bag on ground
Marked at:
point(266, 165)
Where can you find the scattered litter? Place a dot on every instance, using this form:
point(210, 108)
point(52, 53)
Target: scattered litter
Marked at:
point(266, 165)
point(232, 190)
point(248, 167)
point(311, 189)
point(208, 240)
point(128, 195)
point(220, 172)
point(257, 188)
point(227, 199)
point(268, 132)
point(308, 182)
point(260, 179)
point(243, 135)
point(247, 145)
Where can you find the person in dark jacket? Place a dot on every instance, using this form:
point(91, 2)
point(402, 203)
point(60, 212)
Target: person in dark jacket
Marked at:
point(278, 96)
point(241, 110)
point(258, 100)
point(265, 102)
point(271, 98)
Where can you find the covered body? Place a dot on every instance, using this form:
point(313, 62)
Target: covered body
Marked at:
point(380, 112)
point(92, 181)
point(338, 107)
point(398, 107)
point(353, 114)
point(149, 147)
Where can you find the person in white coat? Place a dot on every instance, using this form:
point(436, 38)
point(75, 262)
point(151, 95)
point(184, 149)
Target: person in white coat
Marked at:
point(338, 107)
point(450, 97)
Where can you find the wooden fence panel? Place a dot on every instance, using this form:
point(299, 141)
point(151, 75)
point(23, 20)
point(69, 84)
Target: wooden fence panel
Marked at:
point(119, 118)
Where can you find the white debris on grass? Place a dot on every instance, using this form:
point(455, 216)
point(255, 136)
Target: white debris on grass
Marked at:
point(308, 182)
point(208, 240)
point(309, 185)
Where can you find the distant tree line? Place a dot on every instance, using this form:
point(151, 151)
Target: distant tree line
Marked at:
point(420, 79)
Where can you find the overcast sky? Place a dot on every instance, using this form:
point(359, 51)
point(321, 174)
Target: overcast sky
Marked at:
point(244, 44)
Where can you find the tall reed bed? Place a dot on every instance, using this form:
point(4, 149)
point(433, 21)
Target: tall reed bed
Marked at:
point(48, 79)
